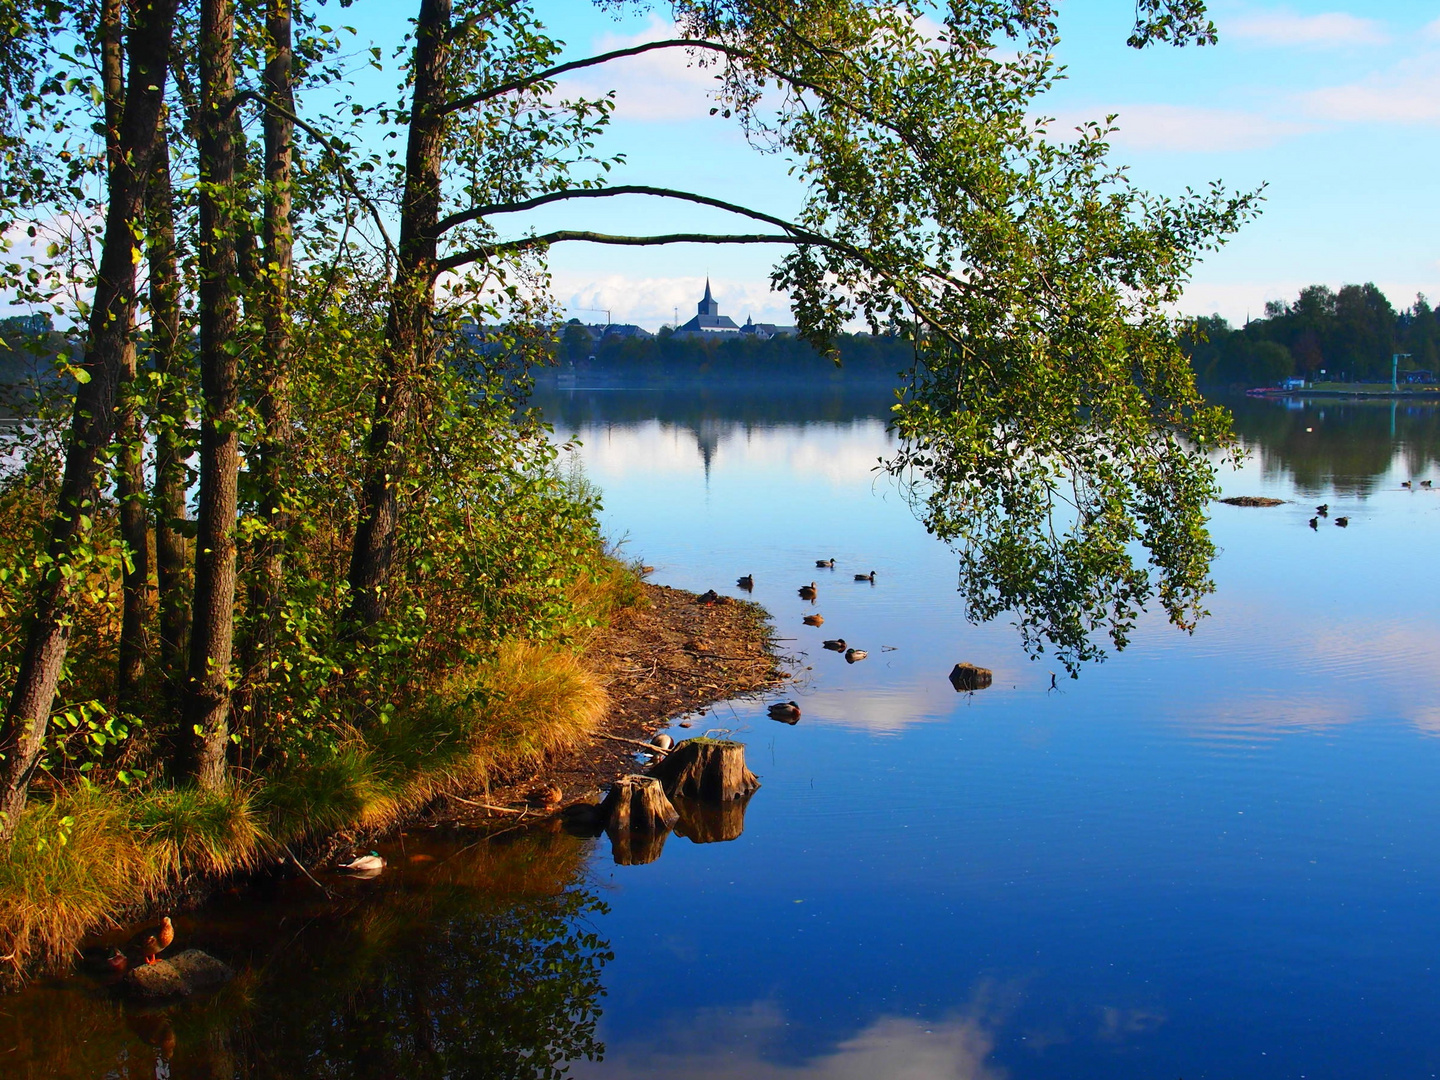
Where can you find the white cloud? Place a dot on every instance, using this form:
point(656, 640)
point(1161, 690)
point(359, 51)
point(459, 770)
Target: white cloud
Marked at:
point(662, 85)
point(1408, 94)
point(1191, 128)
point(1334, 29)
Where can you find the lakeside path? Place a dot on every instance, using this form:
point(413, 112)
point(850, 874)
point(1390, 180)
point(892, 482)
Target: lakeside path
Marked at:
point(672, 657)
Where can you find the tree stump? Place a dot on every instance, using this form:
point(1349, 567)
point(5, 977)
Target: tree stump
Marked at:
point(708, 822)
point(709, 769)
point(637, 804)
point(969, 677)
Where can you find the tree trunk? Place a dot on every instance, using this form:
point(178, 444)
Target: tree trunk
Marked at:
point(638, 817)
point(172, 441)
point(408, 326)
point(130, 474)
point(207, 698)
point(710, 822)
point(22, 734)
point(266, 593)
point(709, 769)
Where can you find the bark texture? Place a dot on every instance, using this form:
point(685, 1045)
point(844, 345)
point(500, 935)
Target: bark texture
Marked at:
point(172, 437)
point(207, 698)
point(408, 326)
point(267, 590)
point(27, 714)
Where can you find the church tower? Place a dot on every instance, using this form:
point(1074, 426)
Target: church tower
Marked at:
point(708, 306)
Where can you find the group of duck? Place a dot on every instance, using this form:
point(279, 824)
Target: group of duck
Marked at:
point(1323, 510)
point(147, 945)
point(788, 712)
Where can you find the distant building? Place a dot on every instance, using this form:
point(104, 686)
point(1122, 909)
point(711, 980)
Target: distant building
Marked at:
point(1293, 382)
point(708, 323)
point(1421, 376)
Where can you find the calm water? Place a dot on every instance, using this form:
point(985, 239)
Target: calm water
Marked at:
point(1212, 856)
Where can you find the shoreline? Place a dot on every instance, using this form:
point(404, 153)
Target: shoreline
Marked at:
point(672, 657)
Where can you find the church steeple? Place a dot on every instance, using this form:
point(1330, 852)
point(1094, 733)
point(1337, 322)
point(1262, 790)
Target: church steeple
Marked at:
point(708, 306)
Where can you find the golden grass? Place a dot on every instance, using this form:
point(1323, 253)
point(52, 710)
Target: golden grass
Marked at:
point(79, 858)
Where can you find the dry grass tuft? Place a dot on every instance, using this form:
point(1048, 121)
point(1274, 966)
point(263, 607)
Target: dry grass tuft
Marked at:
point(215, 833)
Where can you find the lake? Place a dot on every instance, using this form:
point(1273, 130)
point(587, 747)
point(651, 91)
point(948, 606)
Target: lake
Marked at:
point(1213, 855)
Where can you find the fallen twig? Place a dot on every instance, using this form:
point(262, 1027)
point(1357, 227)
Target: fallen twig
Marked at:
point(633, 742)
point(491, 806)
point(307, 873)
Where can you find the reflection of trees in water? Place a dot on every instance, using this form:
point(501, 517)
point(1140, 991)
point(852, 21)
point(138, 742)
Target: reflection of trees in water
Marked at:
point(479, 963)
point(1351, 446)
point(729, 405)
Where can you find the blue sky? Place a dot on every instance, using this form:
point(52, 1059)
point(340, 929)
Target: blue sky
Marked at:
point(1335, 108)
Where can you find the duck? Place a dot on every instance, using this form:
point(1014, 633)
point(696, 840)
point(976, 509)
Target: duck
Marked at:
point(813, 620)
point(709, 596)
point(808, 592)
point(365, 864)
point(1343, 522)
point(151, 949)
point(1323, 509)
point(825, 563)
point(662, 741)
point(747, 582)
point(1405, 483)
point(153, 940)
point(854, 656)
point(870, 577)
point(785, 711)
point(1425, 483)
point(1315, 523)
point(835, 645)
point(116, 961)
point(545, 797)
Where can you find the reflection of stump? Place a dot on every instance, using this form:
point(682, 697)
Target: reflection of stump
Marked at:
point(969, 677)
point(637, 803)
point(631, 847)
point(708, 822)
point(711, 769)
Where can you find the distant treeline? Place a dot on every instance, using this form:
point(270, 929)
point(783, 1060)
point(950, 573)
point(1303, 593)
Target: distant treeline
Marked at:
point(669, 359)
point(1348, 335)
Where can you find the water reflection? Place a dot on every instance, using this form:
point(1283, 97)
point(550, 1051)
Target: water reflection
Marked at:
point(466, 961)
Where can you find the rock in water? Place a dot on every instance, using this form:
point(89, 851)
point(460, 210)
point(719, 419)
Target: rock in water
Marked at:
point(969, 677)
point(637, 803)
point(1252, 500)
point(180, 976)
point(709, 769)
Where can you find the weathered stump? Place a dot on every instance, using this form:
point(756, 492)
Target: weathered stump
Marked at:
point(637, 804)
point(969, 677)
point(708, 822)
point(179, 976)
point(709, 769)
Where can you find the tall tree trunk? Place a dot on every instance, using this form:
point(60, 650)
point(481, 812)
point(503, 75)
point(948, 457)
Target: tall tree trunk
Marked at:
point(22, 733)
point(172, 441)
point(266, 591)
point(408, 330)
point(130, 475)
point(207, 698)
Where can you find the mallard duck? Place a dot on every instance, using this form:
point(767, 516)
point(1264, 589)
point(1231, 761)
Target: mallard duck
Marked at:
point(365, 864)
point(663, 741)
point(747, 582)
point(808, 592)
point(1405, 483)
point(785, 711)
point(1343, 522)
point(710, 596)
point(835, 645)
point(854, 656)
point(1425, 483)
point(813, 620)
point(870, 577)
point(116, 961)
point(825, 563)
point(151, 949)
point(1315, 523)
point(544, 797)
point(1323, 509)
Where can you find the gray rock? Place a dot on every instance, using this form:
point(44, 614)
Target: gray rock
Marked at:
point(179, 976)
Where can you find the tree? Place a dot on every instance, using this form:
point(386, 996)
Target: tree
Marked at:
point(22, 733)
